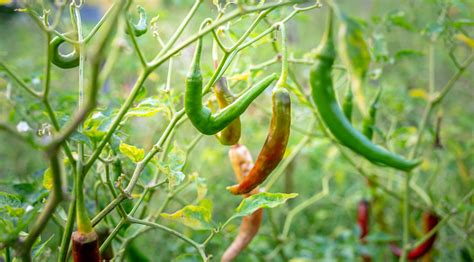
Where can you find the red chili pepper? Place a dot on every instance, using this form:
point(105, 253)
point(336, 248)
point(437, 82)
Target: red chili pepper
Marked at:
point(85, 247)
point(363, 218)
point(430, 220)
point(363, 214)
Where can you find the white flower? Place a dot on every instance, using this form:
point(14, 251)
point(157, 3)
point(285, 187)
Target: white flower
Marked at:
point(22, 127)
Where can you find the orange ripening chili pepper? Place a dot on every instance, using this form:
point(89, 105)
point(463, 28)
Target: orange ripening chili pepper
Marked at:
point(274, 147)
point(277, 139)
point(231, 134)
point(242, 164)
point(430, 220)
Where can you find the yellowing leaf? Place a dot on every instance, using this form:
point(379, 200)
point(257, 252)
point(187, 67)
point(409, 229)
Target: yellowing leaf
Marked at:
point(5, 2)
point(418, 93)
point(201, 186)
point(133, 153)
point(154, 77)
point(425, 165)
point(195, 217)
point(48, 179)
point(146, 108)
point(240, 77)
point(262, 200)
point(465, 39)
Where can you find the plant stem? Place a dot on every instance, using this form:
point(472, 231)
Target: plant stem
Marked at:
point(66, 238)
point(197, 246)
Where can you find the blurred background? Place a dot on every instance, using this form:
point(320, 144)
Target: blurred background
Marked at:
point(399, 34)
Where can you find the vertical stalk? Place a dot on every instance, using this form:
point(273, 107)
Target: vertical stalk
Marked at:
point(84, 224)
point(413, 153)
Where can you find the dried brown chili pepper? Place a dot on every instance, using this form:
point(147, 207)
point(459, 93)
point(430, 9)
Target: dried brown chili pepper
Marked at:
point(242, 164)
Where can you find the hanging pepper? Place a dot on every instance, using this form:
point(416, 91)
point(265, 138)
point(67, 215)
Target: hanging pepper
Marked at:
point(430, 220)
point(363, 218)
point(140, 28)
point(242, 163)
point(331, 114)
point(363, 215)
point(368, 123)
point(61, 60)
point(277, 139)
point(231, 134)
point(201, 116)
point(85, 247)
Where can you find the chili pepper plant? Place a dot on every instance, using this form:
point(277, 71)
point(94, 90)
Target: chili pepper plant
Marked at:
point(127, 130)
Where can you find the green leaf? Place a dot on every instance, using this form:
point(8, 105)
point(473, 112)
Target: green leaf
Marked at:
point(133, 153)
point(38, 249)
point(408, 53)
point(147, 108)
point(11, 204)
point(262, 200)
point(24, 189)
point(173, 167)
point(463, 22)
point(380, 49)
point(399, 18)
point(97, 125)
point(195, 217)
point(48, 179)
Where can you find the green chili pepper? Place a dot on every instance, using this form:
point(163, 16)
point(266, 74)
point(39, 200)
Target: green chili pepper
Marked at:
point(368, 123)
point(277, 139)
point(333, 117)
point(347, 104)
point(231, 134)
point(65, 61)
point(354, 53)
point(140, 28)
point(201, 116)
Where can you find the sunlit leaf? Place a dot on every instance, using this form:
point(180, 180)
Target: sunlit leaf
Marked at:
point(195, 217)
point(97, 125)
point(240, 77)
point(201, 186)
point(133, 153)
point(418, 93)
point(262, 200)
point(465, 39)
point(146, 108)
point(48, 179)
